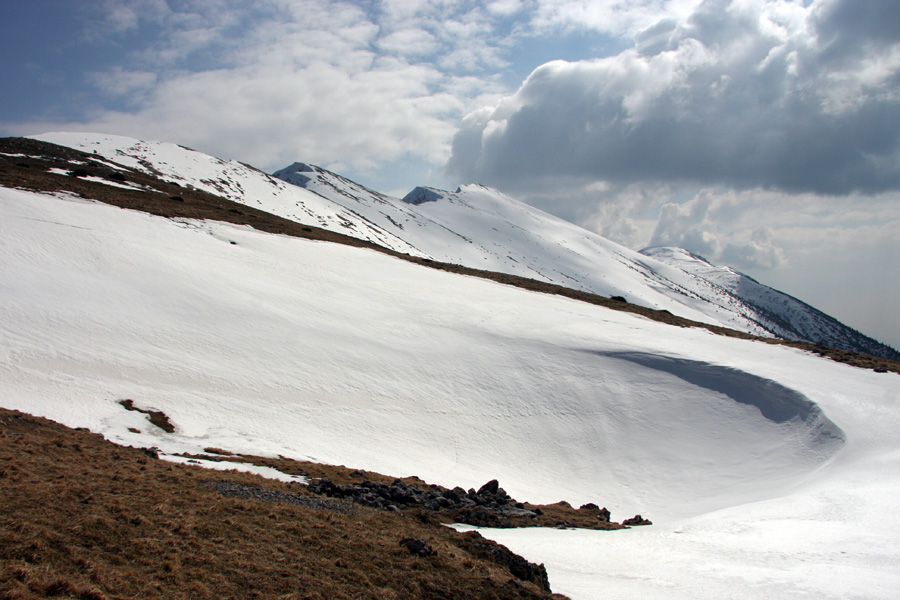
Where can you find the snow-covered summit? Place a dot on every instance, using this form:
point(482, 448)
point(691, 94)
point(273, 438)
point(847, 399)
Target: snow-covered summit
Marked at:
point(421, 195)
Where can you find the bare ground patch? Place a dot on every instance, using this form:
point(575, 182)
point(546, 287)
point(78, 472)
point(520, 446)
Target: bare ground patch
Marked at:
point(157, 417)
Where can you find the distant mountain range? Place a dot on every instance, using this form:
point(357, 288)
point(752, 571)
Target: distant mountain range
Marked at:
point(482, 228)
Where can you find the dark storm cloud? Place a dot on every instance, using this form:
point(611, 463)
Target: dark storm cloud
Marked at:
point(748, 95)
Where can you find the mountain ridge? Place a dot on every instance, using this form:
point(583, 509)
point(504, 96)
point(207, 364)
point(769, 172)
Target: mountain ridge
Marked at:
point(786, 316)
point(479, 228)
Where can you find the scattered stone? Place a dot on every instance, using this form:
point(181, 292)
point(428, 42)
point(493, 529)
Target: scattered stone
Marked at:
point(240, 490)
point(490, 506)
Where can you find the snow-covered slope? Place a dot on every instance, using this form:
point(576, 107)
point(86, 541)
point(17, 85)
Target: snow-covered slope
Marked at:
point(783, 315)
point(482, 228)
point(232, 180)
point(768, 472)
point(475, 226)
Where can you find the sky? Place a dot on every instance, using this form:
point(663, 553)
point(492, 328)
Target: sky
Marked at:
point(762, 135)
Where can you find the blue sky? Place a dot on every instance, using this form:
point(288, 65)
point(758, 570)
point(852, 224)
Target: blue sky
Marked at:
point(760, 134)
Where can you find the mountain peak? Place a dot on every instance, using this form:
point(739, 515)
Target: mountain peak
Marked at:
point(421, 195)
point(299, 167)
point(294, 173)
point(673, 254)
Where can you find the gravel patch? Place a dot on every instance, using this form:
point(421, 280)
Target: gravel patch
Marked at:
point(232, 488)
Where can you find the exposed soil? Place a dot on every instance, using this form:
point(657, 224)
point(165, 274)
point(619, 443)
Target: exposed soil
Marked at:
point(156, 417)
point(83, 518)
point(170, 200)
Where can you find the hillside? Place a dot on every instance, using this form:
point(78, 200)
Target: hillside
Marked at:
point(124, 524)
point(480, 228)
point(767, 471)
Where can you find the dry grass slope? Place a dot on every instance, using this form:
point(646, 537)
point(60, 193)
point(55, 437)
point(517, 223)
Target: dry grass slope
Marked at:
point(83, 518)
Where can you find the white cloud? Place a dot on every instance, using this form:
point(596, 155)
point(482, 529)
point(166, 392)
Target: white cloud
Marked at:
point(275, 81)
point(617, 17)
point(740, 93)
point(119, 82)
point(505, 8)
point(410, 42)
point(759, 251)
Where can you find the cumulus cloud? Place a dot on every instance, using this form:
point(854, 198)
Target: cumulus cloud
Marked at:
point(759, 251)
point(274, 81)
point(745, 94)
point(615, 17)
point(410, 42)
point(772, 231)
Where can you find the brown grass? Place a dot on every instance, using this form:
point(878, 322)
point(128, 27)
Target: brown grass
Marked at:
point(175, 201)
point(83, 518)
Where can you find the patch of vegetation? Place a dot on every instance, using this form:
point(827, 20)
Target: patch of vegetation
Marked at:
point(84, 518)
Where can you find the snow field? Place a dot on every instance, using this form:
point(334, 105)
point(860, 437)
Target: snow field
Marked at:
point(478, 227)
point(274, 345)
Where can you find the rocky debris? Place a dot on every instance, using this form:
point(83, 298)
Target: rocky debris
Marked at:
point(602, 513)
point(520, 568)
point(240, 490)
point(418, 547)
point(489, 506)
point(637, 520)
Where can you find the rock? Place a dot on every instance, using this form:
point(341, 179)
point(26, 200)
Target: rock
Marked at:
point(490, 488)
point(637, 520)
point(589, 506)
point(518, 566)
point(513, 513)
point(418, 547)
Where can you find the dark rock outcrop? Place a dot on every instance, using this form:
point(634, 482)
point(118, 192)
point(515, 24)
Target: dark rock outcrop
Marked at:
point(418, 547)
